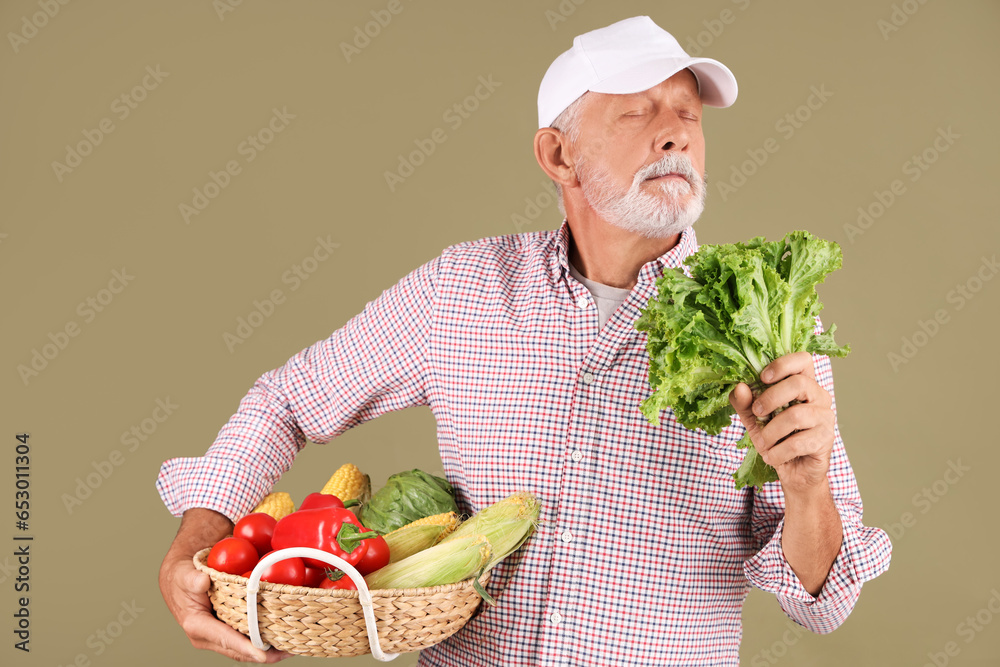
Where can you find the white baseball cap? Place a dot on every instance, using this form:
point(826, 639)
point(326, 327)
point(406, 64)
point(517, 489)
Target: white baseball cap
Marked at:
point(629, 56)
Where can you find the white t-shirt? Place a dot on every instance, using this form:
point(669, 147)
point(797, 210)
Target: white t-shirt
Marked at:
point(608, 298)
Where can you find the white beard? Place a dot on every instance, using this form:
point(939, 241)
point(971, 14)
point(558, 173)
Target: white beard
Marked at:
point(642, 213)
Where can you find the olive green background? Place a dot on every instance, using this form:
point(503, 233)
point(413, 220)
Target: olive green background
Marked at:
point(887, 96)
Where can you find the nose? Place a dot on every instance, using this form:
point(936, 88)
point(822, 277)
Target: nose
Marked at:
point(672, 135)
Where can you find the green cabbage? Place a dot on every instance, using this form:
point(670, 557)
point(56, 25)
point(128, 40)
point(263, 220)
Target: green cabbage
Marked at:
point(406, 497)
point(744, 305)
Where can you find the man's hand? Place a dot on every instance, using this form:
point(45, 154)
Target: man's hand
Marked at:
point(798, 440)
point(185, 590)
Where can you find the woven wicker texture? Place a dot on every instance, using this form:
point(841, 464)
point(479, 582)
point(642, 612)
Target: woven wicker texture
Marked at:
point(330, 623)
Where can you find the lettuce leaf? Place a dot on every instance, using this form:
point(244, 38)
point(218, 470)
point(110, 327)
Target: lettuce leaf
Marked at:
point(742, 306)
point(406, 497)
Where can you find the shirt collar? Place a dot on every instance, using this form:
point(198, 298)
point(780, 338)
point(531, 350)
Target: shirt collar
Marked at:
point(650, 271)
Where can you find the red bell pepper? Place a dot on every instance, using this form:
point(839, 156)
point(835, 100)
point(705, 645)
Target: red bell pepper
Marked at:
point(317, 500)
point(331, 529)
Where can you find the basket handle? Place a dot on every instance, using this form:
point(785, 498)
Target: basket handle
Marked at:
point(364, 595)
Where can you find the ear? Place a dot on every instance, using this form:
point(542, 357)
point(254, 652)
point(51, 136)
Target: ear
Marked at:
point(552, 150)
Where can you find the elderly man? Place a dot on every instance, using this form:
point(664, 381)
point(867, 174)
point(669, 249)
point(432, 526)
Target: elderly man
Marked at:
point(524, 348)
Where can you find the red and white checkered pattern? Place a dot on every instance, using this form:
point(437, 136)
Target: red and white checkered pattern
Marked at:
point(645, 551)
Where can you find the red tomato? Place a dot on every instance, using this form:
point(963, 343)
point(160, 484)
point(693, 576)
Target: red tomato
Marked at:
point(232, 555)
point(345, 583)
point(314, 576)
point(376, 557)
point(289, 571)
point(256, 528)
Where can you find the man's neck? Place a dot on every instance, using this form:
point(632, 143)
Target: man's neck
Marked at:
point(611, 256)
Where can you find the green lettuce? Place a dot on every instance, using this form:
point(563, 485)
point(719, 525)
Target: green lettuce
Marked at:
point(406, 497)
point(743, 305)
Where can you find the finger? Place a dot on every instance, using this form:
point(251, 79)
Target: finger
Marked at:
point(802, 418)
point(208, 633)
point(796, 363)
point(798, 445)
point(196, 584)
point(795, 388)
point(740, 398)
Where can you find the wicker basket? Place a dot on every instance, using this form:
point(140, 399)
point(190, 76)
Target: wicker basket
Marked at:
point(332, 623)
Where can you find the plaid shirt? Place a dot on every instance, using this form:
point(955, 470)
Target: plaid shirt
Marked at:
point(645, 551)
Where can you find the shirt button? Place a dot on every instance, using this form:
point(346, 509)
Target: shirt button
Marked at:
point(566, 536)
point(577, 456)
point(583, 302)
point(588, 378)
point(556, 618)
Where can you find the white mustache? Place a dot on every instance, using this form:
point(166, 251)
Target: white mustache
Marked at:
point(671, 163)
point(635, 210)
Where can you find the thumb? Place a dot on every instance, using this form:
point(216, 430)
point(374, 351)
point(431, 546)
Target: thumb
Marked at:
point(741, 398)
point(197, 581)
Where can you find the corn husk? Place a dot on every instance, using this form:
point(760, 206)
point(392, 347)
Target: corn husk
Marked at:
point(441, 564)
point(409, 540)
point(507, 524)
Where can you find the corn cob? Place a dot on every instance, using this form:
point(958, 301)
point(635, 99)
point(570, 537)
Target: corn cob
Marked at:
point(279, 505)
point(447, 520)
point(349, 483)
point(441, 564)
point(506, 524)
point(420, 535)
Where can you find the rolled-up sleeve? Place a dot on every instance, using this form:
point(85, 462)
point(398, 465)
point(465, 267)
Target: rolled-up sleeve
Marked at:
point(376, 363)
point(864, 553)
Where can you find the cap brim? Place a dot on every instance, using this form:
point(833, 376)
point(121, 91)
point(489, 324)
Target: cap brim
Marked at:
point(717, 85)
